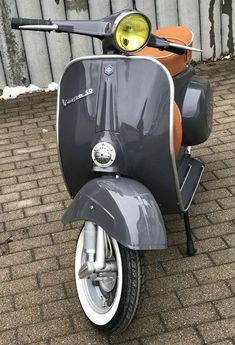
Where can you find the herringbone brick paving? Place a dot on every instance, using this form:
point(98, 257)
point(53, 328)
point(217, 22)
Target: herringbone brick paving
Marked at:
point(188, 301)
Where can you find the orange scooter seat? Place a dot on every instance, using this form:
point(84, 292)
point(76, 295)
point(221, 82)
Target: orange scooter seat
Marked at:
point(173, 62)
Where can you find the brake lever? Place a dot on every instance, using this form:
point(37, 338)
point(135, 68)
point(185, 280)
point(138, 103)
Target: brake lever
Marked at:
point(164, 44)
point(180, 46)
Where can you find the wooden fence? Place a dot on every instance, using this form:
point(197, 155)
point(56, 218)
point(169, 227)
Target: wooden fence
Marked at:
point(39, 58)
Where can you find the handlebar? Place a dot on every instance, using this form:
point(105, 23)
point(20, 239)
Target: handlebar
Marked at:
point(95, 28)
point(16, 23)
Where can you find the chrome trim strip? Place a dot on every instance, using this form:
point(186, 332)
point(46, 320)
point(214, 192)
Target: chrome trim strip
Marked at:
point(186, 176)
point(119, 19)
point(39, 27)
point(176, 45)
point(186, 209)
point(171, 130)
point(57, 131)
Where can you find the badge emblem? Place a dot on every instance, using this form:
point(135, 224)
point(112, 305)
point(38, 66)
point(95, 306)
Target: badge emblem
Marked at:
point(74, 99)
point(108, 70)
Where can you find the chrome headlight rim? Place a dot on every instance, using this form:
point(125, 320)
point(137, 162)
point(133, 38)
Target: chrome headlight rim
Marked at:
point(117, 22)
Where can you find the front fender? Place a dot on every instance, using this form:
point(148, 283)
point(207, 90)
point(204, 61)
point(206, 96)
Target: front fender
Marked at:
point(124, 208)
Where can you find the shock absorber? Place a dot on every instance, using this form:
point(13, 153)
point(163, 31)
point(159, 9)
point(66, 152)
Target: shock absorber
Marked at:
point(94, 246)
point(89, 243)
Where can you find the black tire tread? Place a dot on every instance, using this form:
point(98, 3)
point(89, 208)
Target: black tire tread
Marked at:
point(132, 292)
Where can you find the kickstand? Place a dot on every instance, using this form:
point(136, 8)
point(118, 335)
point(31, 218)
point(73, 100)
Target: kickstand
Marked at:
point(190, 245)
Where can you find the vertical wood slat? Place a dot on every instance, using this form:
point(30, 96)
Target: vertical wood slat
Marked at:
point(78, 10)
point(2, 74)
point(58, 44)
point(121, 5)
point(233, 23)
point(148, 8)
point(189, 17)
point(35, 45)
point(213, 22)
point(98, 9)
point(211, 29)
point(228, 26)
point(167, 12)
point(11, 46)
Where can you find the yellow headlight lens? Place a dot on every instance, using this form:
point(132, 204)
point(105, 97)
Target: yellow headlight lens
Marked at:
point(132, 32)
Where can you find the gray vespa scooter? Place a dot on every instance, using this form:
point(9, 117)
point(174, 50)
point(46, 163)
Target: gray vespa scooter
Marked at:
point(124, 156)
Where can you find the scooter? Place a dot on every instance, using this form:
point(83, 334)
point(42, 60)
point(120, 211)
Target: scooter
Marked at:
point(125, 123)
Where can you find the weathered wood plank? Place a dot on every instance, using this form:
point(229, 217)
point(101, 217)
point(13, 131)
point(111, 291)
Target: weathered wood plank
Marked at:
point(35, 45)
point(233, 23)
point(210, 29)
point(228, 26)
point(2, 74)
point(167, 13)
point(189, 17)
point(148, 8)
point(58, 44)
point(98, 9)
point(212, 21)
point(121, 5)
point(78, 10)
point(11, 46)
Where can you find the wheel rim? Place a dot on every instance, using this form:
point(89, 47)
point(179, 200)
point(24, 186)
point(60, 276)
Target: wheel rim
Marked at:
point(99, 302)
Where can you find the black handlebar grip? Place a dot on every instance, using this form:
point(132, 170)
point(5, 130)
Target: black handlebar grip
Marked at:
point(17, 22)
point(163, 44)
point(176, 50)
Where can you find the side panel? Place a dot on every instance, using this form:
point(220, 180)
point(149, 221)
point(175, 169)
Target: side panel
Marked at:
point(197, 112)
point(181, 82)
point(131, 108)
point(194, 97)
point(124, 208)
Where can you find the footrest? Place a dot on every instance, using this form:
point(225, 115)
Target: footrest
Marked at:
point(193, 173)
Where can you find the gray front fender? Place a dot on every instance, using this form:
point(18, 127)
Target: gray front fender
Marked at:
point(124, 208)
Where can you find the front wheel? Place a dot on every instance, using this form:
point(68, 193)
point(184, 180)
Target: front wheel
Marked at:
point(111, 302)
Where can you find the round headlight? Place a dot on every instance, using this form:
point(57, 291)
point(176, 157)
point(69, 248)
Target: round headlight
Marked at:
point(103, 154)
point(131, 32)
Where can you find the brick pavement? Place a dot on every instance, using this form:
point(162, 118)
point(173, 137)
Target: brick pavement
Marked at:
point(188, 300)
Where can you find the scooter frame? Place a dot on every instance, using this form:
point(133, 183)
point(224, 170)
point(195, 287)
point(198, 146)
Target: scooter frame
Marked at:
point(68, 217)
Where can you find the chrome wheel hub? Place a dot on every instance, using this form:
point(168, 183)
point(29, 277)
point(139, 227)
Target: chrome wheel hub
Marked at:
point(107, 284)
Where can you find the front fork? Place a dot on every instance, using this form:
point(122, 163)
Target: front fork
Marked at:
point(95, 246)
